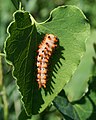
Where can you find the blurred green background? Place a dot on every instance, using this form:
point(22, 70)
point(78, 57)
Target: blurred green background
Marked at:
point(10, 104)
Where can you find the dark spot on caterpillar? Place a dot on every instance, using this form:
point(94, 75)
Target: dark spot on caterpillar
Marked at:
point(48, 36)
point(46, 48)
point(47, 44)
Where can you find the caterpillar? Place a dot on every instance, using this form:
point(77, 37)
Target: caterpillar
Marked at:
point(44, 52)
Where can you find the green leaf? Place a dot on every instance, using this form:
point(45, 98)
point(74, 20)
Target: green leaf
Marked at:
point(70, 25)
point(86, 107)
point(21, 51)
point(65, 107)
point(78, 85)
point(88, 7)
point(23, 116)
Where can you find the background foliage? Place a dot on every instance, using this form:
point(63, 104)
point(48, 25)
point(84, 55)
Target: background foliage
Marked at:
point(10, 104)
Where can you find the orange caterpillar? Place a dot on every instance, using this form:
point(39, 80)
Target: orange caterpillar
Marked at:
point(44, 53)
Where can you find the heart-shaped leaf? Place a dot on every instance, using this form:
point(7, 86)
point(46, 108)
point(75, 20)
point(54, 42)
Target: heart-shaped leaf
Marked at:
point(70, 25)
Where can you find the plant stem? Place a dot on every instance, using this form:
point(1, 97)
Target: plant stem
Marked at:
point(1, 78)
point(20, 6)
point(4, 97)
point(3, 92)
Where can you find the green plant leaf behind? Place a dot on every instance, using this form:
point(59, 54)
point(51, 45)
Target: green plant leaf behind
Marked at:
point(71, 27)
point(78, 85)
point(66, 108)
point(86, 107)
point(69, 24)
